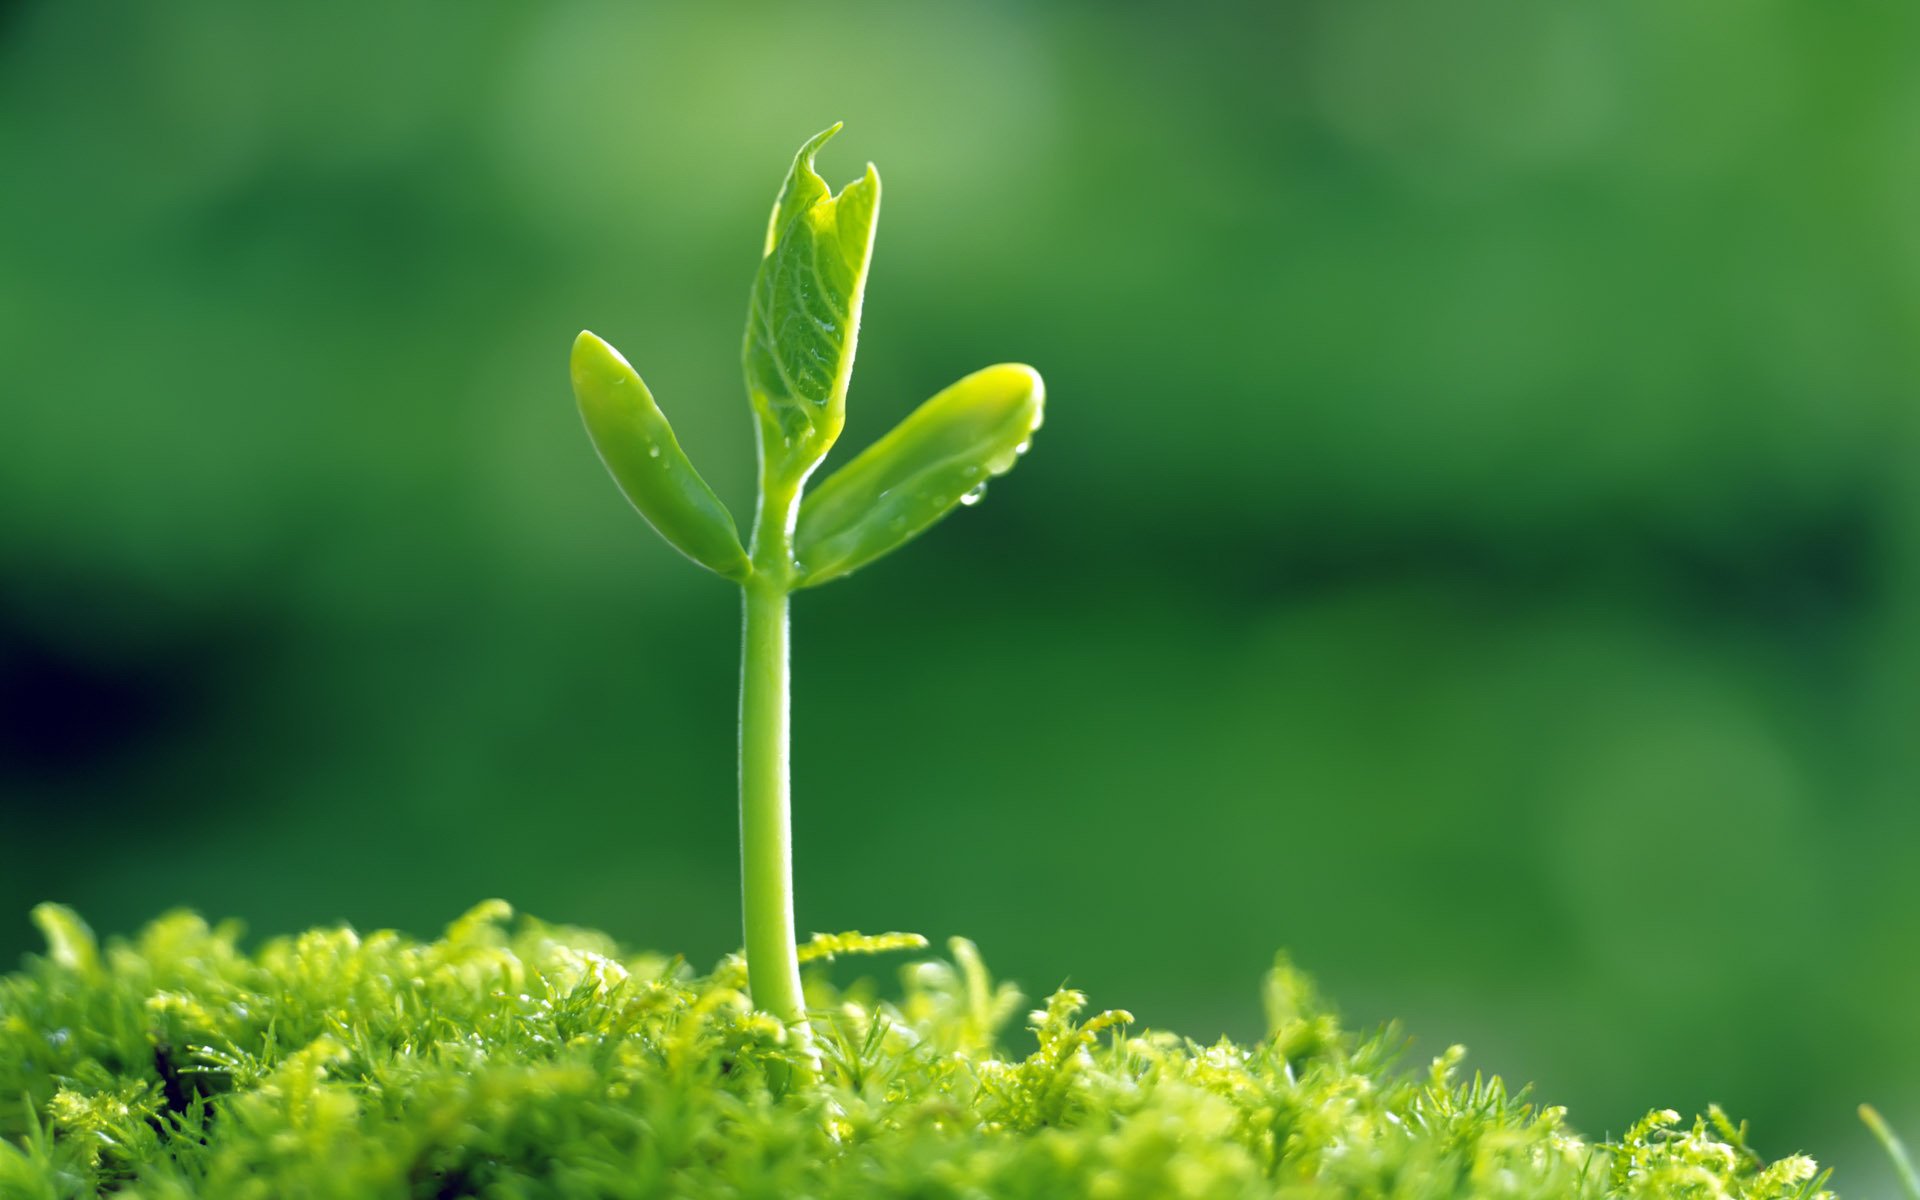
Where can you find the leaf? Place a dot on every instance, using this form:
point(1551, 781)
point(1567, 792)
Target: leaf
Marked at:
point(804, 316)
point(70, 943)
point(940, 457)
point(1902, 1165)
point(825, 947)
point(639, 449)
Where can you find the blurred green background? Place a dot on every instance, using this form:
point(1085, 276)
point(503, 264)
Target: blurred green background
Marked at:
point(1475, 542)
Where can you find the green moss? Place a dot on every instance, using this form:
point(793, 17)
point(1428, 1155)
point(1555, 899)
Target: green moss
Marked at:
point(538, 1060)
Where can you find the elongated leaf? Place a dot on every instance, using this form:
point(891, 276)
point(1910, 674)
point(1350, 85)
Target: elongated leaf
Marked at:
point(1902, 1165)
point(804, 316)
point(937, 459)
point(645, 459)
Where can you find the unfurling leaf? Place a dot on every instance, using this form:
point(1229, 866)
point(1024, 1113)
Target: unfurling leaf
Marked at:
point(639, 449)
point(804, 316)
point(937, 459)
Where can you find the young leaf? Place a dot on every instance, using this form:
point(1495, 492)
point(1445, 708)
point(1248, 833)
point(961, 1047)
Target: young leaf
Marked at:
point(639, 449)
point(938, 458)
point(804, 316)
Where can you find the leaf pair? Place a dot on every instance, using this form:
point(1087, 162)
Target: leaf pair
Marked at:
point(803, 323)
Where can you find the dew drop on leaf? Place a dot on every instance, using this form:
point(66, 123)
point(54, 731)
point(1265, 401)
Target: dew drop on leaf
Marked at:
point(974, 495)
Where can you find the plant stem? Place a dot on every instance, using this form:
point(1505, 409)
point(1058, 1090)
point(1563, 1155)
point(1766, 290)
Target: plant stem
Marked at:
point(766, 828)
point(766, 834)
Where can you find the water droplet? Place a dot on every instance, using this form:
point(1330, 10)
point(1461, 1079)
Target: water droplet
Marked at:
point(1023, 447)
point(653, 452)
point(974, 495)
point(970, 472)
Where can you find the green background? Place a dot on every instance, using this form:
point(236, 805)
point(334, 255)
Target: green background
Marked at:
point(1475, 542)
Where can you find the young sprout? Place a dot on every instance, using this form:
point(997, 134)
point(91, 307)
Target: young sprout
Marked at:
point(802, 324)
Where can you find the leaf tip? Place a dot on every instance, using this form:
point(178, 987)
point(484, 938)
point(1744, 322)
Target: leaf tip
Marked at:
point(595, 362)
point(1018, 387)
point(1025, 378)
point(867, 189)
point(813, 144)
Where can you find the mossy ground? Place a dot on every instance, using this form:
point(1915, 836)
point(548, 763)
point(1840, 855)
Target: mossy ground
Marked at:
point(534, 1060)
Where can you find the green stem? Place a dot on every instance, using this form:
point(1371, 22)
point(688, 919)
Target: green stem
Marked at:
point(766, 833)
point(766, 827)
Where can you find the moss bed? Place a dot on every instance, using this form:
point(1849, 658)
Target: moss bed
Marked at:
point(512, 1059)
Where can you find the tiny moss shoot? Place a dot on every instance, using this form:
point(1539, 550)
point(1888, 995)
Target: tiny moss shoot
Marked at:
point(803, 322)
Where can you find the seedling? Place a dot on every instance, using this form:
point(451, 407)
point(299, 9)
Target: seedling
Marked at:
point(803, 321)
point(539, 1061)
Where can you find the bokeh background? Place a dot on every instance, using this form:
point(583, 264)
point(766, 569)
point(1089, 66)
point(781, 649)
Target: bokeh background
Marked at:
point(1475, 543)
